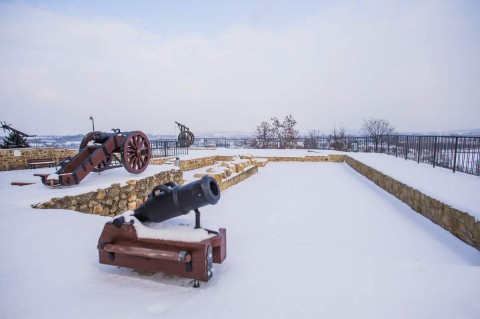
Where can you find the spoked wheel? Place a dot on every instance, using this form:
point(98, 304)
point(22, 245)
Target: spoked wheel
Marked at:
point(185, 138)
point(192, 138)
point(136, 152)
point(103, 165)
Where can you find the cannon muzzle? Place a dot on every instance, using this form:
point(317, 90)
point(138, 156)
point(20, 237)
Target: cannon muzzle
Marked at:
point(169, 200)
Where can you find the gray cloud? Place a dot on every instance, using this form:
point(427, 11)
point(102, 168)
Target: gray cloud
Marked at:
point(414, 64)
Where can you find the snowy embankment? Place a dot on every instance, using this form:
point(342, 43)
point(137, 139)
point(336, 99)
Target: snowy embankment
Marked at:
point(192, 154)
point(305, 240)
point(38, 192)
point(458, 190)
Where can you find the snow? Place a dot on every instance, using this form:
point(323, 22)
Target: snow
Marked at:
point(458, 190)
point(179, 229)
point(305, 240)
point(192, 154)
point(40, 193)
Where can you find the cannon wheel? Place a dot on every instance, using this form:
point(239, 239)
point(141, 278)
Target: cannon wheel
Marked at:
point(136, 152)
point(185, 138)
point(192, 138)
point(103, 165)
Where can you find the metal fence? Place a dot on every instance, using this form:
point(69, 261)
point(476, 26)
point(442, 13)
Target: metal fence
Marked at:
point(458, 153)
point(164, 148)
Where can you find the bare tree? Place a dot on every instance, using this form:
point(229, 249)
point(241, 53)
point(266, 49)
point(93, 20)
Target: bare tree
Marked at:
point(311, 140)
point(290, 134)
point(277, 134)
point(377, 129)
point(338, 139)
point(264, 135)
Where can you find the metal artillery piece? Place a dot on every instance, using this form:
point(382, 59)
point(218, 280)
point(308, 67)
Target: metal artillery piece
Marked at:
point(186, 137)
point(9, 127)
point(97, 152)
point(126, 242)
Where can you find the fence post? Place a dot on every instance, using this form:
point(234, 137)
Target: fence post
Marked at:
point(406, 149)
point(455, 154)
point(396, 147)
point(435, 151)
point(418, 151)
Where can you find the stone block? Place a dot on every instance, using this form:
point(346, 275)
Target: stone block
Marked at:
point(218, 176)
point(101, 194)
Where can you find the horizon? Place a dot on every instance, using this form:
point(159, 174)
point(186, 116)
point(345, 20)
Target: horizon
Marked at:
point(302, 134)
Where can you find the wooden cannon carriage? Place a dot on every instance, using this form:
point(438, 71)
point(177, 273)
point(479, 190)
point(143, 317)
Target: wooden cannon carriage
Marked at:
point(100, 151)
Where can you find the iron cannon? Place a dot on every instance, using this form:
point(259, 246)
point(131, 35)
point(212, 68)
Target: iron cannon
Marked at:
point(168, 200)
point(185, 137)
point(121, 245)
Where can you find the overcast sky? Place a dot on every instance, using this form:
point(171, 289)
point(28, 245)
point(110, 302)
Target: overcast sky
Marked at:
point(229, 65)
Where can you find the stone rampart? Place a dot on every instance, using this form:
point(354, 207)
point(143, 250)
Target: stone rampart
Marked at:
point(328, 158)
point(13, 159)
point(238, 178)
point(188, 165)
point(459, 223)
point(116, 199)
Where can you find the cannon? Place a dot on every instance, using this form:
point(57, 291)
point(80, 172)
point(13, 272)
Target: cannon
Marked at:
point(129, 240)
point(185, 137)
point(168, 200)
point(98, 151)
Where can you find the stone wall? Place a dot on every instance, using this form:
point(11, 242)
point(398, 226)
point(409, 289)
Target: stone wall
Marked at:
point(329, 158)
point(188, 165)
point(238, 178)
point(12, 159)
point(115, 199)
point(160, 160)
point(457, 222)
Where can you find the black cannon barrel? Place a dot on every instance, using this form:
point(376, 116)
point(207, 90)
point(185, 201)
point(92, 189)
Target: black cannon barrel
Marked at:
point(101, 137)
point(173, 200)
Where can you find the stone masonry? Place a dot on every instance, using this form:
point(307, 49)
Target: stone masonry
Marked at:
point(329, 158)
point(460, 224)
point(188, 165)
point(115, 199)
point(12, 159)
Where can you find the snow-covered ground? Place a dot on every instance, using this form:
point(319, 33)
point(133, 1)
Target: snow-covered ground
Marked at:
point(92, 182)
point(197, 153)
point(458, 190)
point(304, 240)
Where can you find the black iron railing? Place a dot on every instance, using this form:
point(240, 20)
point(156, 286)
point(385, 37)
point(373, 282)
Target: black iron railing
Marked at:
point(164, 148)
point(458, 153)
